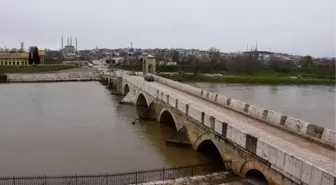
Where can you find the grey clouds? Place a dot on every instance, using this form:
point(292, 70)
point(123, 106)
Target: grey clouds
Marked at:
point(305, 27)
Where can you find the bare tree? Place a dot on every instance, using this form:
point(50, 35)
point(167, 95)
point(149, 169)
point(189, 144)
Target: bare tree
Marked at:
point(280, 65)
point(244, 63)
point(332, 64)
point(307, 61)
point(214, 55)
point(159, 56)
point(194, 61)
point(175, 56)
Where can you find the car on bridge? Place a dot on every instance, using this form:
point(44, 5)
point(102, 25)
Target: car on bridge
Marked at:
point(149, 77)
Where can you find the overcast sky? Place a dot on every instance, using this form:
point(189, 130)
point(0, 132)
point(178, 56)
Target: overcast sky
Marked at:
point(293, 26)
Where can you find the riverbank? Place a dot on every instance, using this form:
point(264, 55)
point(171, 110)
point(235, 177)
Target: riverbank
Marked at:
point(34, 69)
point(267, 80)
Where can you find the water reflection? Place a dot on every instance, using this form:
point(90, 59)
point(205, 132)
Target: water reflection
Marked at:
point(274, 89)
point(331, 89)
point(315, 104)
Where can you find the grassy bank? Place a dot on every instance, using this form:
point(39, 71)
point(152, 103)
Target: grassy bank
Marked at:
point(322, 73)
point(267, 80)
point(33, 69)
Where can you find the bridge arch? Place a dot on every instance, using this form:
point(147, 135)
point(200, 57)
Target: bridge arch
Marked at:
point(126, 89)
point(141, 101)
point(166, 117)
point(255, 171)
point(207, 145)
point(145, 108)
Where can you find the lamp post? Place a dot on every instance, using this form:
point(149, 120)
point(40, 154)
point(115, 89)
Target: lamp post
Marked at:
point(133, 63)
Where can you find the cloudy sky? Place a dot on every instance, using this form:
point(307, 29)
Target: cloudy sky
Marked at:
point(292, 26)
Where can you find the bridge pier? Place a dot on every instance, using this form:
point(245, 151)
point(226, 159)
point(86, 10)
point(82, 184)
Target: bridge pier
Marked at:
point(146, 113)
point(118, 86)
point(114, 84)
point(104, 80)
point(110, 84)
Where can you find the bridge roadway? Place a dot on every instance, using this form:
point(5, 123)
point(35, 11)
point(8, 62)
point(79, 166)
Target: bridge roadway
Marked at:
point(316, 154)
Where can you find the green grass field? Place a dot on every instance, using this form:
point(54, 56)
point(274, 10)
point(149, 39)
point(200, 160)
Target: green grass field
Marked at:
point(250, 79)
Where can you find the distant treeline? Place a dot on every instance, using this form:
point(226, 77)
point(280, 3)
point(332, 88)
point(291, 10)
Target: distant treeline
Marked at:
point(267, 80)
point(306, 72)
point(177, 68)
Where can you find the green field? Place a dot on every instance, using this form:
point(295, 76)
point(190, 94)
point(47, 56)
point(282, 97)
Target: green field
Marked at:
point(221, 69)
point(249, 79)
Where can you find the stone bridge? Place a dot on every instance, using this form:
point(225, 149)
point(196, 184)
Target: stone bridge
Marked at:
point(261, 143)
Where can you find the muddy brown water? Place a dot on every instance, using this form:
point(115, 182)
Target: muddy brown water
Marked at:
point(79, 128)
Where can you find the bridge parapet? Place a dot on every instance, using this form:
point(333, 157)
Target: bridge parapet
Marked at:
point(315, 132)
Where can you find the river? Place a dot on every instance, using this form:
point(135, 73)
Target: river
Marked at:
point(78, 128)
point(311, 103)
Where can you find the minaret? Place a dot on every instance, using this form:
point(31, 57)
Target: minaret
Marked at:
point(22, 47)
point(76, 44)
point(62, 42)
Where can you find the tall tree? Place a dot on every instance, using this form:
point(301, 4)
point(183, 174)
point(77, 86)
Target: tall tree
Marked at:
point(36, 56)
point(159, 56)
point(194, 60)
point(214, 55)
point(175, 56)
point(307, 61)
point(332, 64)
point(30, 58)
point(30, 55)
point(244, 63)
